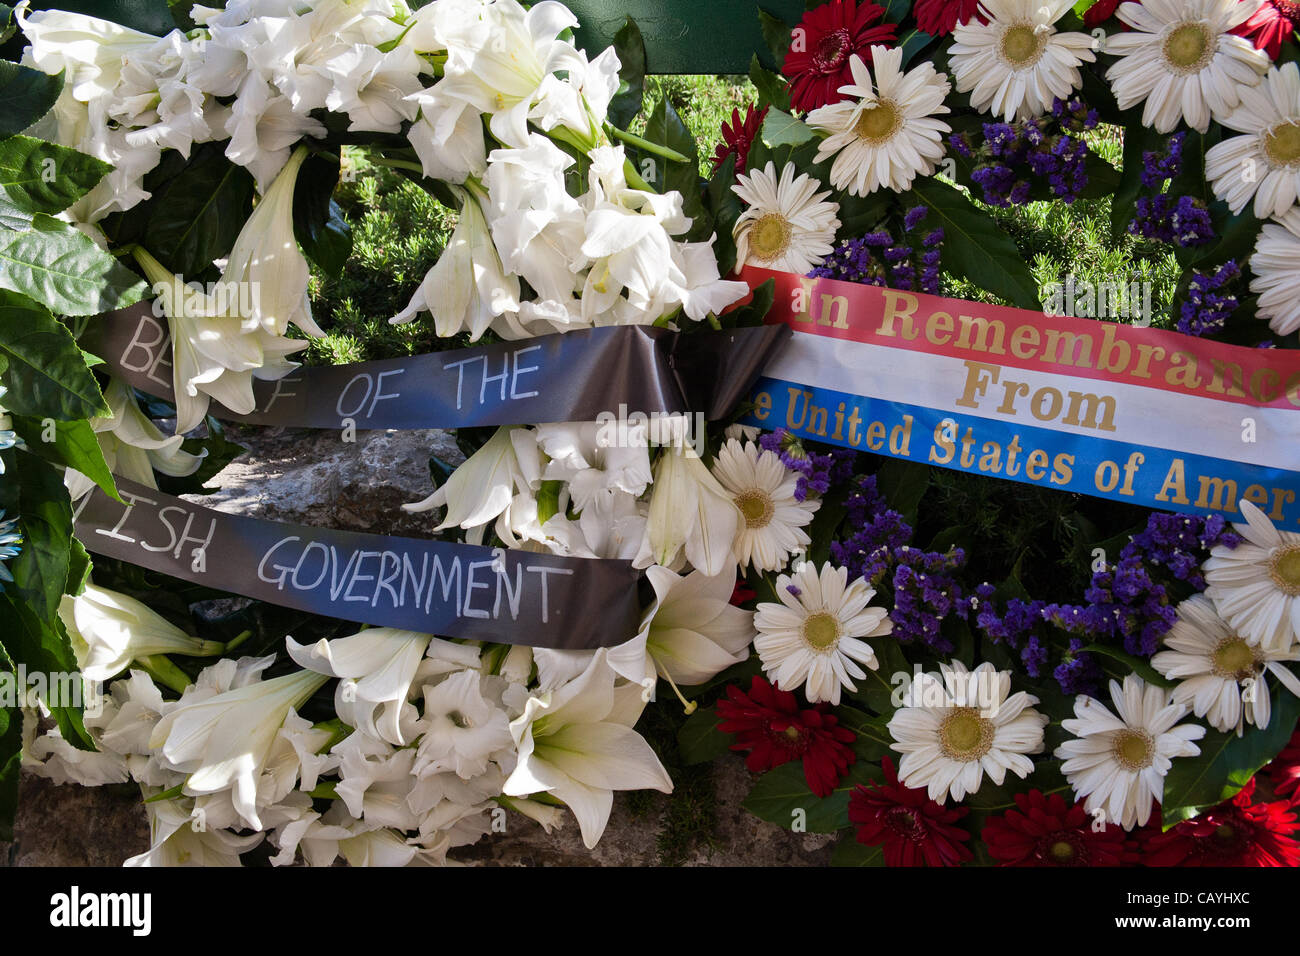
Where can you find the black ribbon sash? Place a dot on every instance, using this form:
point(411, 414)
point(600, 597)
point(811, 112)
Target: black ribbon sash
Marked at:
point(435, 587)
point(565, 377)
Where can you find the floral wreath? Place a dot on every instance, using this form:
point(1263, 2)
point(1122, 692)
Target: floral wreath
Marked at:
point(893, 647)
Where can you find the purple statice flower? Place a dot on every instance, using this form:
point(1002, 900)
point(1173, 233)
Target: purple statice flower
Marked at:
point(1182, 221)
point(1208, 306)
point(1174, 540)
point(915, 216)
point(926, 591)
point(1078, 673)
point(1011, 157)
point(817, 472)
point(1160, 167)
point(876, 532)
point(879, 259)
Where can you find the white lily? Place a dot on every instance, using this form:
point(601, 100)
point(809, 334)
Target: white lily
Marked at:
point(690, 634)
point(577, 743)
point(594, 465)
point(132, 445)
point(176, 841)
point(467, 287)
point(266, 274)
point(109, 630)
point(212, 355)
point(263, 127)
point(499, 55)
point(377, 666)
point(373, 88)
point(481, 488)
point(222, 742)
point(690, 511)
point(536, 225)
point(464, 728)
point(91, 50)
point(447, 136)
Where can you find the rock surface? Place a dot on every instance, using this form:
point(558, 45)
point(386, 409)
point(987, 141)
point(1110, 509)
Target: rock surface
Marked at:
point(315, 478)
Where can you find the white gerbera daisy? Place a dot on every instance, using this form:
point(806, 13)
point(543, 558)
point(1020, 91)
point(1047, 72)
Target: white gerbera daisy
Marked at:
point(1276, 264)
point(1181, 58)
point(886, 132)
point(813, 636)
point(1016, 65)
point(787, 227)
point(1119, 763)
point(1255, 587)
point(1265, 163)
point(958, 725)
point(763, 489)
point(1221, 676)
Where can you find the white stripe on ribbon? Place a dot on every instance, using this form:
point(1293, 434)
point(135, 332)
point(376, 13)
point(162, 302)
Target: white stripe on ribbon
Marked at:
point(1143, 416)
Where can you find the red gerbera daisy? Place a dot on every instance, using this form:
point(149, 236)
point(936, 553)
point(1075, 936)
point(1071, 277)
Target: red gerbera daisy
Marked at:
point(817, 62)
point(914, 829)
point(1100, 12)
point(1275, 21)
point(940, 17)
point(769, 724)
point(738, 136)
point(1284, 771)
point(1235, 833)
point(1045, 831)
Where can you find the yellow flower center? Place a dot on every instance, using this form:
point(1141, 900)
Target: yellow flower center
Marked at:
point(878, 124)
point(770, 237)
point(965, 735)
point(1023, 46)
point(1189, 48)
point(756, 507)
point(1282, 144)
point(821, 631)
point(1062, 851)
point(1134, 749)
point(1234, 659)
point(1284, 569)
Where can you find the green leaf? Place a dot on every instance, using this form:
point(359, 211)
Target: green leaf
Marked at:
point(36, 176)
point(1227, 762)
point(665, 128)
point(849, 852)
point(782, 129)
point(912, 42)
point(45, 518)
point(976, 248)
point(903, 484)
point(25, 96)
point(772, 89)
point(724, 205)
point(43, 646)
point(46, 374)
point(700, 740)
point(896, 10)
point(318, 223)
point(74, 445)
point(195, 216)
point(776, 34)
point(630, 98)
point(878, 688)
point(779, 795)
point(1135, 664)
point(64, 270)
point(11, 752)
point(79, 568)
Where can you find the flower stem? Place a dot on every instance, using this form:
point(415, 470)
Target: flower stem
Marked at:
point(239, 639)
point(690, 705)
point(645, 145)
point(163, 671)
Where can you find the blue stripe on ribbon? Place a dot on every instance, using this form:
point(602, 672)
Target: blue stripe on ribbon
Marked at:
point(1139, 474)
